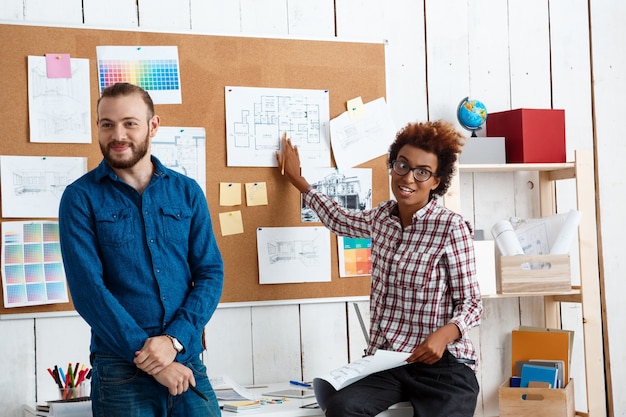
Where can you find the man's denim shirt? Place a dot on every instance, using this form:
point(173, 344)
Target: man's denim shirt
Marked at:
point(140, 265)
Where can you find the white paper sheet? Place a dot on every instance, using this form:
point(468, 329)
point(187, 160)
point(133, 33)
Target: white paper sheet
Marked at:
point(358, 140)
point(257, 118)
point(293, 254)
point(32, 185)
point(59, 109)
point(182, 149)
point(154, 68)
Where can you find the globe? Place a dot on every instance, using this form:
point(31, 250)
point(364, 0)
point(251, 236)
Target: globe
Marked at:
point(471, 114)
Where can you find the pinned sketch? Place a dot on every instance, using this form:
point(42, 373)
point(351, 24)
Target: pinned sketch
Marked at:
point(32, 185)
point(293, 254)
point(351, 188)
point(32, 267)
point(359, 139)
point(59, 109)
point(182, 149)
point(257, 118)
point(153, 68)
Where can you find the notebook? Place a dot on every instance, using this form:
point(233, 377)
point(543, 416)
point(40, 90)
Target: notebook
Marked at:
point(291, 393)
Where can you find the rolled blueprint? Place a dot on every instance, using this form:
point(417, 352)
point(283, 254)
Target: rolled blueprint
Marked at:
point(506, 239)
point(564, 239)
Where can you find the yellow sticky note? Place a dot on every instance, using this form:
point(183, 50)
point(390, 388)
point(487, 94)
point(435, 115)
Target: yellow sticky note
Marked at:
point(256, 194)
point(355, 107)
point(230, 194)
point(231, 223)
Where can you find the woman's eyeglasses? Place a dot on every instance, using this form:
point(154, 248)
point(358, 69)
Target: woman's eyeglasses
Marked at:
point(402, 168)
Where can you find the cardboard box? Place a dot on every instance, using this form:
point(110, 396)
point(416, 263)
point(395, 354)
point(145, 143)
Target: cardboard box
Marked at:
point(531, 135)
point(536, 402)
point(533, 273)
point(483, 151)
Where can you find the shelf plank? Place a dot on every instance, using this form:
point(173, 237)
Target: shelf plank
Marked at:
point(515, 167)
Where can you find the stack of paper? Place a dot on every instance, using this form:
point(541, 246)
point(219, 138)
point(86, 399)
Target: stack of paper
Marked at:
point(241, 406)
point(69, 408)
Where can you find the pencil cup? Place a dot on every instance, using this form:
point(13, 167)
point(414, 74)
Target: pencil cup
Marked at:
point(71, 393)
point(68, 393)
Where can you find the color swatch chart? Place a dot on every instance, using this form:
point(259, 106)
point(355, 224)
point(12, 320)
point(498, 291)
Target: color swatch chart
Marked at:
point(355, 256)
point(154, 68)
point(32, 267)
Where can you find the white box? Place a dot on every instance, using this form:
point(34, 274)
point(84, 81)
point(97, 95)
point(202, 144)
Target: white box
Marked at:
point(483, 151)
point(485, 266)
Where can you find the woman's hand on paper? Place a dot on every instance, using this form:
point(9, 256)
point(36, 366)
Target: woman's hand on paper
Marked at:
point(289, 164)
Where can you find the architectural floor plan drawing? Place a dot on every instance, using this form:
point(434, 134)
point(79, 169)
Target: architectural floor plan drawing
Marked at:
point(182, 149)
point(257, 118)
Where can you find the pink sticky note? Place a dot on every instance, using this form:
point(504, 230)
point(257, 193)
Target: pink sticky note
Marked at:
point(58, 66)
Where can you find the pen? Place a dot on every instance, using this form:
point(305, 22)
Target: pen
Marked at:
point(301, 384)
point(282, 168)
point(197, 391)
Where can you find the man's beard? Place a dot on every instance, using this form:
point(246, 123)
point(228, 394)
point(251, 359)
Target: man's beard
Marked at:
point(138, 152)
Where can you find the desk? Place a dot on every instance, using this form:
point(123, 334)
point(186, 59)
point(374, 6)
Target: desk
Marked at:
point(291, 408)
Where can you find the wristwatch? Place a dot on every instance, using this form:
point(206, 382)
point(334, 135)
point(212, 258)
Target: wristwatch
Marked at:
point(177, 345)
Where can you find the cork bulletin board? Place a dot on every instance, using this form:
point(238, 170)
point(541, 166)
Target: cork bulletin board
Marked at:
point(207, 64)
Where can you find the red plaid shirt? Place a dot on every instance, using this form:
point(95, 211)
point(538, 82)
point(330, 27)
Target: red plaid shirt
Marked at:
point(423, 276)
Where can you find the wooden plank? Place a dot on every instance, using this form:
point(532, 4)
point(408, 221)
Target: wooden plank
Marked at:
point(229, 344)
point(68, 12)
point(276, 336)
point(268, 17)
point(17, 351)
point(488, 47)
point(447, 50)
point(529, 52)
point(215, 16)
point(170, 15)
point(311, 18)
point(12, 10)
point(590, 285)
point(110, 13)
point(609, 89)
point(59, 342)
point(323, 338)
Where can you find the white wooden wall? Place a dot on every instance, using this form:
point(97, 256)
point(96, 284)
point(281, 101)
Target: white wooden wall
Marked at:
point(509, 54)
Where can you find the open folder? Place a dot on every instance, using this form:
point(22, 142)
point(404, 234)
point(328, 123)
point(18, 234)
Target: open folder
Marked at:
point(541, 344)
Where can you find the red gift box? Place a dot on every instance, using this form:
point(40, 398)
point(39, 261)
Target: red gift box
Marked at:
point(531, 135)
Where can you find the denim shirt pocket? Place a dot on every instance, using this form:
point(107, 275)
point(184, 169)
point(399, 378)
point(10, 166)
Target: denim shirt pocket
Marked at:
point(176, 223)
point(114, 227)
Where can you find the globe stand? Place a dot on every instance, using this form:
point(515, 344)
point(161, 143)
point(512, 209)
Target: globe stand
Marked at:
point(474, 108)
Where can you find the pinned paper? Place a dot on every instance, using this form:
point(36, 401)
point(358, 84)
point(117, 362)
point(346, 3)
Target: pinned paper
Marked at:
point(58, 66)
point(356, 108)
point(231, 223)
point(230, 194)
point(256, 194)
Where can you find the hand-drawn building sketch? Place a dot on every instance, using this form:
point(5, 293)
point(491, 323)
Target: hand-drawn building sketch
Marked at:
point(59, 108)
point(293, 254)
point(32, 186)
